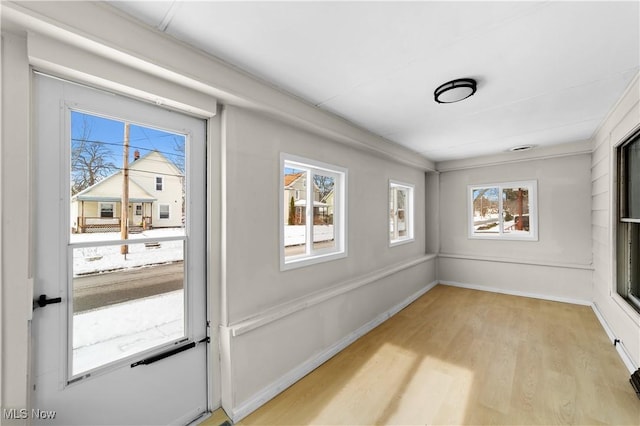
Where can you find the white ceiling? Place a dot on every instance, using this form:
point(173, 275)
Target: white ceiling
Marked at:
point(548, 72)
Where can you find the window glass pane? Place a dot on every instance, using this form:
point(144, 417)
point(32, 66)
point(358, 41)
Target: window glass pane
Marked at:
point(401, 212)
point(323, 208)
point(164, 211)
point(515, 210)
point(106, 210)
point(295, 208)
point(124, 304)
point(154, 158)
point(634, 260)
point(392, 214)
point(632, 153)
point(486, 208)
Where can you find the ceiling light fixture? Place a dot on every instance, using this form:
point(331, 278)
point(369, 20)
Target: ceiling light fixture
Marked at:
point(455, 90)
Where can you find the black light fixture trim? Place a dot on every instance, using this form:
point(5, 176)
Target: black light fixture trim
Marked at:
point(460, 83)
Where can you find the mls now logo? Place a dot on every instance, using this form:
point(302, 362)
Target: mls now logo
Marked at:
point(15, 413)
point(23, 413)
point(36, 413)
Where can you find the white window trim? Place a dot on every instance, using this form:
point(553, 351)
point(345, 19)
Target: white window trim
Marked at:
point(409, 213)
point(614, 221)
point(159, 212)
point(339, 213)
point(155, 183)
point(532, 186)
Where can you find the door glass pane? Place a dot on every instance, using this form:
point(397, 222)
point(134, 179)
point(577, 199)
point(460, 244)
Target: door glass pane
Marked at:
point(127, 298)
point(295, 199)
point(323, 208)
point(515, 210)
point(124, 304)
point(486, 211)
point(99, 158)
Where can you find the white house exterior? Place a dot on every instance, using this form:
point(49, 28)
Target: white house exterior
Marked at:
point(155, 198)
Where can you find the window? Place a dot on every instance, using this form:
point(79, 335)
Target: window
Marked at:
point(400, 212)
point(628, 226)
point(159, 183)
point(106, 209)
point(312, 212)
point(504, 211)
point(138, 209)
point(164, 211)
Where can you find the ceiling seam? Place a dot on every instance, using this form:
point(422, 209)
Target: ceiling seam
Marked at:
point(168, 17)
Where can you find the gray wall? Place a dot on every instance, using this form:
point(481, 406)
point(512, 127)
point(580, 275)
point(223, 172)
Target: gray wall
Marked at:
point(254, 280)
point(303, 313)
point(557, 265)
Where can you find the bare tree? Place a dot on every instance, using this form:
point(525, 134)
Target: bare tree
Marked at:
point(91, 161)
point(179, 149)
point(324, 184)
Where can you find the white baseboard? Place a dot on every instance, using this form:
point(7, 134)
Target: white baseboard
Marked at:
point(269, 392)
point(517, 293)
point(622, 352)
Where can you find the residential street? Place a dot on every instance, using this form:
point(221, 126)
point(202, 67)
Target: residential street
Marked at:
point(94, 291)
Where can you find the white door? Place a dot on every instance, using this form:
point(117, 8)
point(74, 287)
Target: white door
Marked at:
point(126, 341)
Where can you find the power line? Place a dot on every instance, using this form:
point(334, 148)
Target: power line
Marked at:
point(144, 171)
point(119, 144)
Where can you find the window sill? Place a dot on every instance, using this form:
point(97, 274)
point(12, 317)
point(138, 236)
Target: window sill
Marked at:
point(394, 243)
point(311, 260)
point(502, 237)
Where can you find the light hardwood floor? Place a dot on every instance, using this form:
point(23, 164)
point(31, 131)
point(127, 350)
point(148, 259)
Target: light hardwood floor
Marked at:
point(458, 356)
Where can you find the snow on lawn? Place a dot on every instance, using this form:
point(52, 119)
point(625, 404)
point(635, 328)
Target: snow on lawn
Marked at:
point(107, 334)
point(89, 260)
point(295, 234)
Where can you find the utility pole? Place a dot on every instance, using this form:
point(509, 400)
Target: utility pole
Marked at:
point(124, 211)
point(520, 224)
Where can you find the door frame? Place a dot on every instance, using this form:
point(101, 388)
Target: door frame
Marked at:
point(61, 150)
point(32, 42)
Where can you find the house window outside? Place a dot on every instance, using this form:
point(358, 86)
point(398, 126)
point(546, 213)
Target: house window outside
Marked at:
point(506, 211)
point(159, 183)
point(312, 212)
point(628, 223)
point(163, 210)
point(400, 213)
point(138, 209)
point(106, 209)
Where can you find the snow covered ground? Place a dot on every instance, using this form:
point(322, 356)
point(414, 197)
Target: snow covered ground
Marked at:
point(88, 260)
point(295, 234)
point(107, 334)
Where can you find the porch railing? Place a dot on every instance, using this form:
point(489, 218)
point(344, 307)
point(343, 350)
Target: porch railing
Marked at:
point(110, 224)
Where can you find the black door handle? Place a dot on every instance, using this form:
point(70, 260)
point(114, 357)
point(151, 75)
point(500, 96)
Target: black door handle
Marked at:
point(42, 301)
